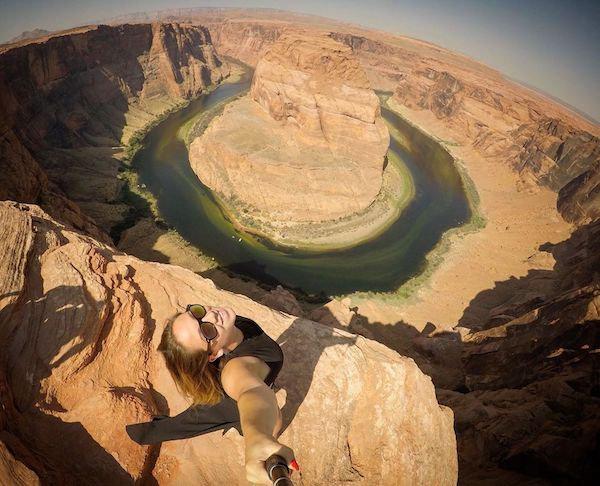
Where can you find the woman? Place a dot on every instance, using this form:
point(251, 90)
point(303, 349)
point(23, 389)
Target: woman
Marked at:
point(226, 365)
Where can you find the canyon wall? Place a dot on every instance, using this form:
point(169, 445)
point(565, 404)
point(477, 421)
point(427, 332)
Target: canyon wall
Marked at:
point(519, 371)
point(79, 327)
point(72, 100)
point(541, 147)
point(245, 41)
point(579, 200)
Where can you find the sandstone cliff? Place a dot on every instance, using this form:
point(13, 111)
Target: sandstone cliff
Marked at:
point(71, 101)
point(317, 84)
point(313, 143)
point(79, 326)
point(245, 41)
point(543, 148)
point(579, 200)
point(519, 370)
point(530, 419)
point(528, 401)
point(504, 120)
point(543, 141)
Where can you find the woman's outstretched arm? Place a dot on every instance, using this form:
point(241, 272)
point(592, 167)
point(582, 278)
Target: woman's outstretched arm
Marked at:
point(242, 379)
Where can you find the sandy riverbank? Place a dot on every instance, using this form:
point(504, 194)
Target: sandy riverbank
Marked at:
point(149, 238)
point(519, 219)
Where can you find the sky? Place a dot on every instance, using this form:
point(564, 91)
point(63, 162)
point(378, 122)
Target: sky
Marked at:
point(553, 45)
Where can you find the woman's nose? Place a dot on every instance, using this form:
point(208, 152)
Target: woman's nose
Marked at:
point(212, 315)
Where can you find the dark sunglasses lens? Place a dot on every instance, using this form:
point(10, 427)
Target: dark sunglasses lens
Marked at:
point(198, 311)
point(209, 330)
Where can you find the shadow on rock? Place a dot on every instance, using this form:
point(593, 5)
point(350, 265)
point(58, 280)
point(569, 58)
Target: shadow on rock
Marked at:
point(524, 382)
point(34, 330)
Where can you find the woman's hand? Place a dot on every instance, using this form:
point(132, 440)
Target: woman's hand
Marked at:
point(258, 450)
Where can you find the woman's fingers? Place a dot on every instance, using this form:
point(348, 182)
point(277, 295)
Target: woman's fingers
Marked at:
point(255, 461)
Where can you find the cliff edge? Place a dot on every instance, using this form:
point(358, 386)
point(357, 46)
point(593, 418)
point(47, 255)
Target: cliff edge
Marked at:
point(79, 327)
point(70, 103)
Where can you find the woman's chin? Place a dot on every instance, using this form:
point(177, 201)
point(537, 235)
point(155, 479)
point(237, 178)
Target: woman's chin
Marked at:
point(230, 315)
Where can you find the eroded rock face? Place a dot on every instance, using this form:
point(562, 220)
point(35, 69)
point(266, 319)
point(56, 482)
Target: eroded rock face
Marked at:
point(13, 471)
point(243, 40)
point(79, 326)
point(545, 149)
point(313, 143)
point(579, 200)
point(317, 84)
point(521, 376)
point(69, 103)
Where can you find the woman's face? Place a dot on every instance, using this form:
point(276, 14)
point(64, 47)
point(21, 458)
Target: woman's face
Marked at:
point(187, 330)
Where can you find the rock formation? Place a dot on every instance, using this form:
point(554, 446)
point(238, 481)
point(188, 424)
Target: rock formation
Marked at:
point(313, 143)
point(245, 41)
point(554, 151)
point(519, 370)
point(71, 101)
point(544, 149)
point(316, 84)
point(79, 327)
point(579, 200)
point(529, 401)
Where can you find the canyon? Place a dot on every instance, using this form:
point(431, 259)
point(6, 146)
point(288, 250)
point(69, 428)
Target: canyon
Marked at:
point(74, 101)
point(483, 367)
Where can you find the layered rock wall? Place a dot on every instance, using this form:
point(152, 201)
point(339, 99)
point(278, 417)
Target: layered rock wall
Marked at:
point(545, 142)
point(579, 200)
point(245, 41)
point(70, 102)
point(543, 147)
point(318, 85)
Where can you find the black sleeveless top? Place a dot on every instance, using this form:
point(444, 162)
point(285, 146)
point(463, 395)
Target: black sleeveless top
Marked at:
point(255, 343)
point(202, 419)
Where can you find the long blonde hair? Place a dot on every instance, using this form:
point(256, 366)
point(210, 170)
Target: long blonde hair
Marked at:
point(195, 376)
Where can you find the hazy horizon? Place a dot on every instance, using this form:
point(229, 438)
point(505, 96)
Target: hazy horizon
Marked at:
point(549, 45)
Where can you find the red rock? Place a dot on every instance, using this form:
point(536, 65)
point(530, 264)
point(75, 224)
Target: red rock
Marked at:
point(79, 328)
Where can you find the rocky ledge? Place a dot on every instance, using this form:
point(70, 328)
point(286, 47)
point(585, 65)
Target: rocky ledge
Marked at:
point(313, 142)
point(79, 327)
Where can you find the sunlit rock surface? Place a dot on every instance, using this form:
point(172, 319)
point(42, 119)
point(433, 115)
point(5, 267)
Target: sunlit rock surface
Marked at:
point(313, 141)
point(79, 328)
point(515, 424)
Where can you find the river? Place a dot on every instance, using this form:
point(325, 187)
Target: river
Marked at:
point(381, 265)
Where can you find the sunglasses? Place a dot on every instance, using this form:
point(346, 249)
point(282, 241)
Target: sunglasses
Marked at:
point(207, 329)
